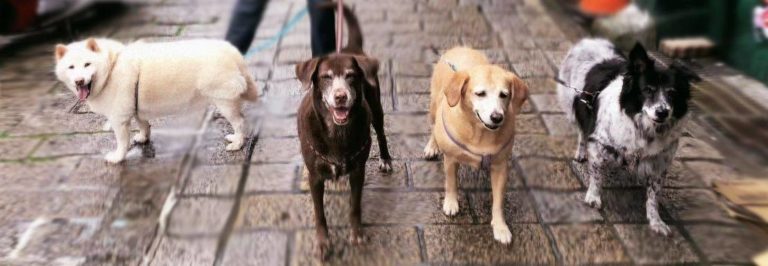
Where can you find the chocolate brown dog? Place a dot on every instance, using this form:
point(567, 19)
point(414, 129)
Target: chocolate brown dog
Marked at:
point(334, 121)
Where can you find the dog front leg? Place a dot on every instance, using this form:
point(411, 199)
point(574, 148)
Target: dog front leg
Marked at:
point(498, 186)
point(653, 171)
point(451, 201)
point(581, 150)
point(596, 172)
point(317, 189)
point(120, 127)
point(356, 180)
point(378, 125)
point(431, 151)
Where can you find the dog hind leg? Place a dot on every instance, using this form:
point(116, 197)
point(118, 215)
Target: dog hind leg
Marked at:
point(144, 131)
point(230, 109)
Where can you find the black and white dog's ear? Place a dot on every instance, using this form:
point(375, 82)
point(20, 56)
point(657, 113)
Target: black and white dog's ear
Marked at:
point(639, 62)
point(305, 72)
point(682, 71)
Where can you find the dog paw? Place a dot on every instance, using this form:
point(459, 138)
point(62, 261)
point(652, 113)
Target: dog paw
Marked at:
point(357, 238)
point(501, 232)
point(385, 166)
point(431, 151)
point(593, 200)
point(580, 158)
point(450, 206)
point(114, 157)
point(233, 138)
point(140, 139)
point(323, 249)
point(660, 228)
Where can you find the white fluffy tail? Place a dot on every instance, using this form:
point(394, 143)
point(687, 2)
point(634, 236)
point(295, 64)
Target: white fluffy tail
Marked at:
point(251, 91)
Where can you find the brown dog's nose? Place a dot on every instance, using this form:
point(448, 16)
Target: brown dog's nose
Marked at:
point(497, 117)
point(80, 82)
point(340, 97)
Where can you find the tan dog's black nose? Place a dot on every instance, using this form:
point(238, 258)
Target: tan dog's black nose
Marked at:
point(497, 117)
point(340, 97)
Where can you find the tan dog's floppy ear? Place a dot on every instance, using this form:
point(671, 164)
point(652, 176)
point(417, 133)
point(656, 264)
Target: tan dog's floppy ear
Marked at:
point(306, 70)
point(520, 90)
point(370, 67)
point(60, 51)
point(456, 88)
point(92, 45)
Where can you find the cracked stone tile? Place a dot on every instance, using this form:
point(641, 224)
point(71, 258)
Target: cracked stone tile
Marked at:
point(430, 174)
point(185, 251)
point(550, 174)
point(199, 216)
point(256, 248)
point(517, 207)
point(213, 180)
point(17, 148)
point(728, 244)
point(397, 245)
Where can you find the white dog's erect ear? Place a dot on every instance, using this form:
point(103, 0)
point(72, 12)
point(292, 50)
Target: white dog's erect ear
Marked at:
point(305, 71)
point(456, 88)
point(520, 90)
point(92, 45)
point(59, 51)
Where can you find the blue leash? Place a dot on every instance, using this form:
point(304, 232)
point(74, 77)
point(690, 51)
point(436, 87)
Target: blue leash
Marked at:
point(271, 41)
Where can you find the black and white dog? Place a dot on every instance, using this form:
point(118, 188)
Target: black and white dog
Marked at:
point(630, 114)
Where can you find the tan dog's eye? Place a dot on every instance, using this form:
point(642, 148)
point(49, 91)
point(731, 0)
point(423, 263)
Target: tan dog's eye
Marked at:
point(480, 93)
point(325, 77)
point(503, 95)
point(72, 67)
point(87, 64)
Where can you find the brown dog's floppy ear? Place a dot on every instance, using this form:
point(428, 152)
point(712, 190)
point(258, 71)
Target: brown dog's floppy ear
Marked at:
point(456, 88)
point(60, 51)
point(370, 67)
point(306, 70)
point(92, 45)
point(520, 90)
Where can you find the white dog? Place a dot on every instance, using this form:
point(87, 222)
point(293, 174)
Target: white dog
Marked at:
point(148, 80)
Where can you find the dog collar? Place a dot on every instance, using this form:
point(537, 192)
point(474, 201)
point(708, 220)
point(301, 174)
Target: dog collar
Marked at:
point(581, 93)
point(485, 159)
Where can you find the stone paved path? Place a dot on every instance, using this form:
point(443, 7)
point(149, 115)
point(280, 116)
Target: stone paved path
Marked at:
point(195, 204)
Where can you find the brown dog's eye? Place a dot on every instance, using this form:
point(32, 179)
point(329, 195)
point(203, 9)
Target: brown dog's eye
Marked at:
point(325, 77)
point(71, 67)
point(87, 64)
point(503, 95)
point(480, 93)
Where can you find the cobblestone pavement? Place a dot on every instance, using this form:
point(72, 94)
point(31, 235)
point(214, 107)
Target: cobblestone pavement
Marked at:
point(196, 204)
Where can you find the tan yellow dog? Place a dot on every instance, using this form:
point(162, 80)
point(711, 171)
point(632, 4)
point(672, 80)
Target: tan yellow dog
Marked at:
point(472, 110)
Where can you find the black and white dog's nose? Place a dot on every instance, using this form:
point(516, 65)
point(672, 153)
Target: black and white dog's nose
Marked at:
point(497, 117)
point(662, 113)
point(340, 97)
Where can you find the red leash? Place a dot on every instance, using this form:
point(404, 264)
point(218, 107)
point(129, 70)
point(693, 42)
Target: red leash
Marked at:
point(339, 25)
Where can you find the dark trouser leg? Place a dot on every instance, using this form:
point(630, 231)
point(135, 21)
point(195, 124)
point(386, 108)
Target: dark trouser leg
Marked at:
point(322, 24)
point(245, 18)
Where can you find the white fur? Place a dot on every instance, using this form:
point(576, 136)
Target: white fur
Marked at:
point(171, 77)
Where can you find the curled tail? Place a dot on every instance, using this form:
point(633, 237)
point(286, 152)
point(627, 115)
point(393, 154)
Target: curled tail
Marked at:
point(355, 35)
point(251, 91)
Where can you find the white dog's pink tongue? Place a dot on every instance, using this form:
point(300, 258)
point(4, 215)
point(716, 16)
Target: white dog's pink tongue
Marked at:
point(82, 93)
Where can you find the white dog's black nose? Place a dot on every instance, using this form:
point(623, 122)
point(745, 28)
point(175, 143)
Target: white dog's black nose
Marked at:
point(662, 113)
point(497, 117)
point(80, 82)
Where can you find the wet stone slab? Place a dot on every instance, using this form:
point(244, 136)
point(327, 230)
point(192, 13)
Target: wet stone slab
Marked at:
point(430, 174)
point(199, 216)
point(385, 245)
point(256, 248)
point(41, 174)
point(559, 207)
point(447, 244)
point(648, 247)
point(76, 145)
point(71, 235)
point(727, 244)
point(185, 251)
point(271, 177)
point(27, 205)
point(517, 207)
point(588, 244)
point(694, 205)
point(550, 174)
point(17, 148)
point(213, 180)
